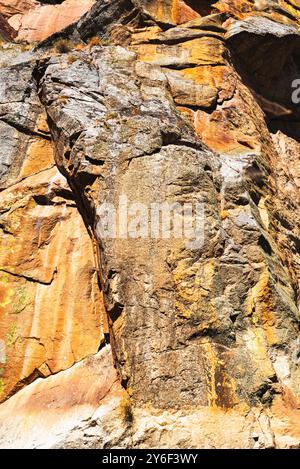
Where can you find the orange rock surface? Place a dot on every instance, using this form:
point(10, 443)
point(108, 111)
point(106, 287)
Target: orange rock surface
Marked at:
point(179, 101)
point(9, 8)
point(46, 253)
point(64, 403)
point(34, 21)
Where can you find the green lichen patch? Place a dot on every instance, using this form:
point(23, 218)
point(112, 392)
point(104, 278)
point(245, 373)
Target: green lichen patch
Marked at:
point(20, 300)
point(11, 336)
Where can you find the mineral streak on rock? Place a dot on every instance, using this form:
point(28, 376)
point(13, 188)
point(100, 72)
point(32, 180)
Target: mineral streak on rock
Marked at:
point(176, 102)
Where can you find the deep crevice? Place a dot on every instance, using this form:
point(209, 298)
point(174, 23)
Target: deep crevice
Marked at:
point(51, 2)
point(25, 130)
point(204, 7)
point(29, 278)
point(265, 245)
point(116, 311)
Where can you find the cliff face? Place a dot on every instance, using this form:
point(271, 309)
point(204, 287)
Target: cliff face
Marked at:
point(134, 338)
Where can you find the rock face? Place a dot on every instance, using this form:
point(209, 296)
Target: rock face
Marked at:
point(64, 401)
point(9, 8)
point(180, 103)
point(34, 21)
point(45, 248)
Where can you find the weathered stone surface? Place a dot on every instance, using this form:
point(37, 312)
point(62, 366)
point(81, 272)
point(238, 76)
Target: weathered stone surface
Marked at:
point(84, 404)
point(286, 202)
point(177, 309)
point(85, 407)
point(9, 8)
point(45, 248)
point(190, 103)
point(35, 21)
point(45, 253)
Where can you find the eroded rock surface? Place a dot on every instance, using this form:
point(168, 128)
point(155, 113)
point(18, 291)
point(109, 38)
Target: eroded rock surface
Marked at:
point(177, 102)
point(79, 406)
point(36, 20)
point(46, 251)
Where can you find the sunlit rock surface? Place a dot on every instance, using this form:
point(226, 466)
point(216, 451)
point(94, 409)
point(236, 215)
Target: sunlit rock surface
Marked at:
point(36, 20)
point(46, 252)
point(178, 102)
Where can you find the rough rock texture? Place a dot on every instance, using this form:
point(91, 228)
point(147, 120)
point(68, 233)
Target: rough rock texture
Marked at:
point(46, 251)
point(9, 8)
point(83, 400)
point(34, 21)
point(7, 33)
point(176, 102)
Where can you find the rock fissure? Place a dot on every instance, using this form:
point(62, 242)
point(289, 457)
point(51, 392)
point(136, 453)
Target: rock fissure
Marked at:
point(23, 129)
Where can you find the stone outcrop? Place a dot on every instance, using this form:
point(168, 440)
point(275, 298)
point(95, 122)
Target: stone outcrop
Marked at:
point(45, 248)
point(9, 8)
point(34, 21)
point(176, 102)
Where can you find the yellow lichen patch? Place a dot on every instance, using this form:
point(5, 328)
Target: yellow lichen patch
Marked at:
point(189, 114)
point(204, 75)
point(174, 11)
point(12, 334)
point(295, 3)
point(126, 409)
point(79, 47)
point(201, 51)
point(184, 312)
point(160, 10)
point(145, 35)
point(183, 270)
point(94, 41)
point(44, 370)
point(2, 387)
point(210, 374)
point(220, 386)
point(193, 285)
point(224, 214)
point(205, 50)
point(42, 124)
point(238, 8)
point(293, 6)
point(255, 340)
point(6, 294)
point(193, 87)
point(259, 306)
point(20, 300)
